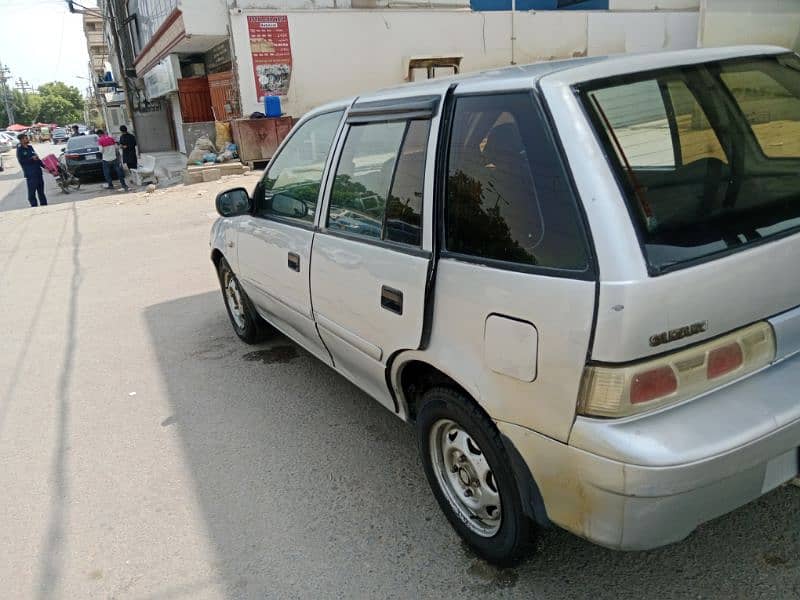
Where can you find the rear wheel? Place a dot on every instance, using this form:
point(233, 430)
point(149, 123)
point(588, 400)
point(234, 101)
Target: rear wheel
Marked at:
point(470, 474)
point(247, 324)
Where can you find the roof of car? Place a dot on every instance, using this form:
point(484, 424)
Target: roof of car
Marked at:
point(583, 68)
point(565, 71)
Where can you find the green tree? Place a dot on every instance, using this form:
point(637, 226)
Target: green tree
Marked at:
point(25, 107)
point(68, 92)
point(56, 109)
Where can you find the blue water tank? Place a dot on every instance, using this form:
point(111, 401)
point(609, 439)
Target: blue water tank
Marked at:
point(272, 106)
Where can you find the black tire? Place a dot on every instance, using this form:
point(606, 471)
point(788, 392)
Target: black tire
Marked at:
point(513, 538)
point(250, 328)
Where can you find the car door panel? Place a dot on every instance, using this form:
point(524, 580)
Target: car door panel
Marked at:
point(274, 243)
point(346, 281)
point(368, 281)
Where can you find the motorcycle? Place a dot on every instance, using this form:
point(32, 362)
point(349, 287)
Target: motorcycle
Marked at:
point(64, 178)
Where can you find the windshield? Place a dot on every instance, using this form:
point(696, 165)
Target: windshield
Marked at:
point(708, 155)
point(82, 142)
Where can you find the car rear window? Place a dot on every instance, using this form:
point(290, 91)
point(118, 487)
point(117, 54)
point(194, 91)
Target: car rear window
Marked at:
point(708, 155)
point(82, 142)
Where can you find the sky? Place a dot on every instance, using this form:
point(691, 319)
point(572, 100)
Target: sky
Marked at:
point(42, 42)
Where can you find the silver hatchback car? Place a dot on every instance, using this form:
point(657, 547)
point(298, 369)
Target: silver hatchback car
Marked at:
point(578, 279)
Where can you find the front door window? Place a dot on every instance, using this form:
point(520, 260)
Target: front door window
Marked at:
point(290, 187)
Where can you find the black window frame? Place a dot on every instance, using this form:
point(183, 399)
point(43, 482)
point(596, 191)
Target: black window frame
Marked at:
point(390, 116)
point(538, 105)
point(320, 195)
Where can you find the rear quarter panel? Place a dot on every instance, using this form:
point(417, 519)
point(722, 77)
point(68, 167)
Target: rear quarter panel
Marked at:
point(561, 309)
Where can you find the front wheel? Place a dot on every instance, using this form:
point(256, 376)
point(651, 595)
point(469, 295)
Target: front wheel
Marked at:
point(246, 322)
point(470, 474)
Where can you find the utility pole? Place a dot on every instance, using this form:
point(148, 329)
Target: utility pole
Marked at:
point(24, 87)
point(5, 75)
point(108, 5)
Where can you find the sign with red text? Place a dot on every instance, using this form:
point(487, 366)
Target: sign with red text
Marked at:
point(272, 54)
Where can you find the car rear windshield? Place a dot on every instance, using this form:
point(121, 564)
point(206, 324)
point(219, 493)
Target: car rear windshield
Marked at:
point(708, 155)
point(82, 142)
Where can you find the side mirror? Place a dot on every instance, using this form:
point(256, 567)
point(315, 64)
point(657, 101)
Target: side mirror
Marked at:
point(63, 150)
point(286, 206)
point(234, 202)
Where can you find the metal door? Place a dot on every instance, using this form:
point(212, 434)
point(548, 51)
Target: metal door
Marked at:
point(154, 129)
point(195, 99)
point(274, 244)
point(224, 103)
point(370, 268)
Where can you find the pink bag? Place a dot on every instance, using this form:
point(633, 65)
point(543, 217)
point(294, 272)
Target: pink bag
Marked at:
point(50, 162)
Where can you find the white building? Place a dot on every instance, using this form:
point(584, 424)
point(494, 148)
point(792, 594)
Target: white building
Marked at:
point(215, 59)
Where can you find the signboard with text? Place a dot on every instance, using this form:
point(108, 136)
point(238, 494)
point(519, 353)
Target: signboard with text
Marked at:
point(272, 54)
point(160, 80)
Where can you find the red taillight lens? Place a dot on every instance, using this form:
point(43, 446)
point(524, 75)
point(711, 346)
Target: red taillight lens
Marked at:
point(72, 155)
point(724, 360)
point(653, 384)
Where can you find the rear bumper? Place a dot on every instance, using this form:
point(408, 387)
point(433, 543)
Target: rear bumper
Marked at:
point(86, 168)
point(640, 483)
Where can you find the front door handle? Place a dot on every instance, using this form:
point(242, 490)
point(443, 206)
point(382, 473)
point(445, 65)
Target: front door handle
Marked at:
point(293, 262)
point(392, 300)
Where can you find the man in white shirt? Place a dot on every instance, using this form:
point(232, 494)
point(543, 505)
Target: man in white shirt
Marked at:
point(111, 162)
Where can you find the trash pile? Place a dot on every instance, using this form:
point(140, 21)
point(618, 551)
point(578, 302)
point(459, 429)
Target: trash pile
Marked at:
point(205, 151)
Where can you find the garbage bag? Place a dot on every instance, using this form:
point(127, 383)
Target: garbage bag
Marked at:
point(205, 143)
point(223, 131)
point(196, 156)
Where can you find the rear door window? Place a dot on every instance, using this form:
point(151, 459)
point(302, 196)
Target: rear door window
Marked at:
point(732, 129)
point(378, 187)
point(82, 142)
point(508, 201)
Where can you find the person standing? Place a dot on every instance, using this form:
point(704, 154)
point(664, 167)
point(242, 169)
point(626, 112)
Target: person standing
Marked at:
point(32, 168)
point(110, 160)
point(127, 141)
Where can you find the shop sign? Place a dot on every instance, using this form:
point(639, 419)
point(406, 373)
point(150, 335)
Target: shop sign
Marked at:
point(218, 58)
point(272, 54)
point(160, 80)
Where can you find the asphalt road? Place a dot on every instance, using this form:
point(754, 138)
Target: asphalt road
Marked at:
point(14, 192)
point(147, 453)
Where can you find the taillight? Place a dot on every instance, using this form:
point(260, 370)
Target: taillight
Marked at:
point(653, 384)
point(72, 156)
point(724, 360)
point(630, 389)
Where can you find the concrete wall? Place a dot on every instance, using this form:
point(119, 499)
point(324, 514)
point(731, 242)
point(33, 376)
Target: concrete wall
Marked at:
point(338, 53)
point(727, 22)
point(209, 17)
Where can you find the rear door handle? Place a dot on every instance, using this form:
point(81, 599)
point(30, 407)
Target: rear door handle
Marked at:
point(392, 300)
point(294, 261)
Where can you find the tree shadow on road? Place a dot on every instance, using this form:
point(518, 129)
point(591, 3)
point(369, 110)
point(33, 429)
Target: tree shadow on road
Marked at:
point(310, 488)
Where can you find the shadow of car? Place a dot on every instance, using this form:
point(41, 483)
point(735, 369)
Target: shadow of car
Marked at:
point(82, 156)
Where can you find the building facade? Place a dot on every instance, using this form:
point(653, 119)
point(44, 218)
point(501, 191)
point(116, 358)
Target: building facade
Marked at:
point(194, 62)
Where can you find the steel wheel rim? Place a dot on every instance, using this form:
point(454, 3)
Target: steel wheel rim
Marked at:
point(233, 297)
point(465, 477)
